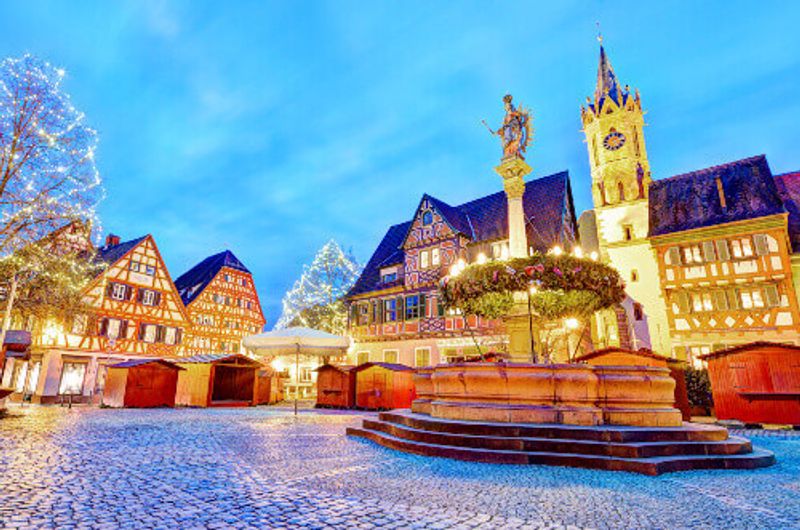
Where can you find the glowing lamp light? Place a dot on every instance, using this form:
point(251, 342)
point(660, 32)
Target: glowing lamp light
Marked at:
point(571, 323)
point(533, 290)
point(455, 270)
point(593, 256)
point(278, 365)
point(481, 258)
point(577, 252)
point(51, 331)
point(557, 250)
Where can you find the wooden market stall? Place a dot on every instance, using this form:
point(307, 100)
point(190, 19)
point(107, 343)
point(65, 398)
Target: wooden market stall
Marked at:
point(336, 386)
point(269, 386)
point(141, 383)
point(758, 382)
point(643, 357)
point(384, 386)
point(221, 380)
point(14, 353)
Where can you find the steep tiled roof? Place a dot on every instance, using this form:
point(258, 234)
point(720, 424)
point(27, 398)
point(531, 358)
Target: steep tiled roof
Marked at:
point(192, 282)
point(736, 191)
point(545, 202)
point(387, 253)
point(789, 189)
point(112, 254)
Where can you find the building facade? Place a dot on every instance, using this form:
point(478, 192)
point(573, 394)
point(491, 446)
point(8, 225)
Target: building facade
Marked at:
point(395, 312)
point(134, 311)
point(221, 299)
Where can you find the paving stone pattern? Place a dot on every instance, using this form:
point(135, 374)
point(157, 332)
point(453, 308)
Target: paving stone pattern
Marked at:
point(263, 468)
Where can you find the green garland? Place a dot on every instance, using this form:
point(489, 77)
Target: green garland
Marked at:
point(565, 286)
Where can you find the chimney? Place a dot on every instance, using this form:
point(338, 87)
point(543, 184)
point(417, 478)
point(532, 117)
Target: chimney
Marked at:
point(112, 240)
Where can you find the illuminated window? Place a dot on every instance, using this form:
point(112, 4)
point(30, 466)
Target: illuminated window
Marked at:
point(148, 297)
point(363, 314)
point(150, 270)
point(170, 335)
point(435, 257)
point(413, 307)
point(390, 356)
point(742, 247)
point(692, 254)
point(697, 302)
point(362, 357)
point(390, 310)
point(500, 250)
point(424, 257)
point(72, 375)
point(422, 357)
point(119, 291)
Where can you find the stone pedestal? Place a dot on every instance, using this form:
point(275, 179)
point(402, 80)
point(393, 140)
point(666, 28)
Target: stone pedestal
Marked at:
point(518, 328)
point(513, 171)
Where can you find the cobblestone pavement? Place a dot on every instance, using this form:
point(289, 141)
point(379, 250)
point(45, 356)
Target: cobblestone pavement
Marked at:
point(261, 467)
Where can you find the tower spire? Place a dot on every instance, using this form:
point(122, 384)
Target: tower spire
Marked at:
point(606, 79)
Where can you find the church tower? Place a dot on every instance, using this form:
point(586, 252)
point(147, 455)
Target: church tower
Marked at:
point(613, 122)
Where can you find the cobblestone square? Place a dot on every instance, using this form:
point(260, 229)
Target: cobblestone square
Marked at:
point(263, 468)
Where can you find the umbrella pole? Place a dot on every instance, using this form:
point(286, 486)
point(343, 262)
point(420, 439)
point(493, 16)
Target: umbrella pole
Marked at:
point(296, 377)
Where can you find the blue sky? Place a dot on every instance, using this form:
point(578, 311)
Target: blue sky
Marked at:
point(270, 127)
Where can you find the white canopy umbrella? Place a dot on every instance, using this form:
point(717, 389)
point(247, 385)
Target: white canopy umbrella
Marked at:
point(295, 341)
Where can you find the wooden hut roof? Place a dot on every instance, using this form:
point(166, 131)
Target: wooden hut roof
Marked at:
point(140, 362)
point(219, 358)
point(337, 367)
point(389, 366)
point(747, 347)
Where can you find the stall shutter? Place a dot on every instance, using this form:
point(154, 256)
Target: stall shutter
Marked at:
point(708, 251)
point(722, 250)
point(762, 248)
point(771, 292)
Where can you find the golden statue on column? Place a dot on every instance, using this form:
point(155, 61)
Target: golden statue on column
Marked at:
point(515, 133)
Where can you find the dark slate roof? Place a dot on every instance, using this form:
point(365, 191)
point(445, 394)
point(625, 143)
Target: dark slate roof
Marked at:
point(112, 254)
point(789, 189)
point(192, 282)
point(387, 253)
point(139, 362)
point(692, 200)
point(544, 202)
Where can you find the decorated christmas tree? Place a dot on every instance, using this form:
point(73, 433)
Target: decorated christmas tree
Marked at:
point(316, 299)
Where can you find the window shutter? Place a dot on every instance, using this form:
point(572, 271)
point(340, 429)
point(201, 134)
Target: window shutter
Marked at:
point(720, 301)
point(123, 329)
point(379, 312)
point(160, 332)
point(771, 292)
point(140, 335)
point(682, 298)
point(157, 299)
point(423, 308)
point(673, 256)
point(733, 298)
point(722, 250)
point(128, 292)
point(708, 251)
point(109, 289)
point(401, 309)
point(104, 327)
point(178, 335)
point(762, 248)
point(139, 295)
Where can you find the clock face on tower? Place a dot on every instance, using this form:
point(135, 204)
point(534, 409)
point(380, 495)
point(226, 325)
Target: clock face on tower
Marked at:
point(614, 141)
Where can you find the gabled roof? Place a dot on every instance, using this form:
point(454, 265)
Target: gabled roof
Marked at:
point(192, 282)
point(389, 366)
point(757, 345)
point(789, 189)
point(545, 202)
point(695, 200)
point(218, 357)
point(112, 254)
point(139, 362)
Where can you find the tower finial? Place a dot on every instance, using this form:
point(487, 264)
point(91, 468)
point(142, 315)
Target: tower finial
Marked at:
point(599, 33)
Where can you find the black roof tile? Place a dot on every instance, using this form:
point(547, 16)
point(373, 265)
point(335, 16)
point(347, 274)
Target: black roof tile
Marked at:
point(192, 282)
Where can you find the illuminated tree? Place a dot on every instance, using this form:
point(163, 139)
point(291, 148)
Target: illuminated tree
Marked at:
point(48, 180)
point(315, 300)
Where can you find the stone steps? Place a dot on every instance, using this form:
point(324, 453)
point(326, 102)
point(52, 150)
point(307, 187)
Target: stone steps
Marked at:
point(651, 451)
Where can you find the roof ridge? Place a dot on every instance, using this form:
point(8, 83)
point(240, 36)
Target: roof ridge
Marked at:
point(711, 169)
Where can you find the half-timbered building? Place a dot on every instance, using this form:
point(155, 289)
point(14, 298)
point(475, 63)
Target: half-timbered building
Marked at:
point(134, 311)
point(223, 305)
point(395, 312)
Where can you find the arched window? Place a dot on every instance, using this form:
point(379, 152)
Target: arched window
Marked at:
point(621, 190)
point(427, 218)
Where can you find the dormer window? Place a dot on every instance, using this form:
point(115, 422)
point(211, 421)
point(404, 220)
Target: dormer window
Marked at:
point(389, 275)
point(427, 218)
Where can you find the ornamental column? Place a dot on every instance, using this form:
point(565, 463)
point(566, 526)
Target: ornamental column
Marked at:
point(513, 171)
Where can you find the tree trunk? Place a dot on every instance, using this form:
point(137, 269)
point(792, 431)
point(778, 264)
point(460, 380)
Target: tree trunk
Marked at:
point(12, 295)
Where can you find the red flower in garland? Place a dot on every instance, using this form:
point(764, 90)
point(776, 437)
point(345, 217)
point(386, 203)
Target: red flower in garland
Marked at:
point(558, 272)
point(529, 270)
